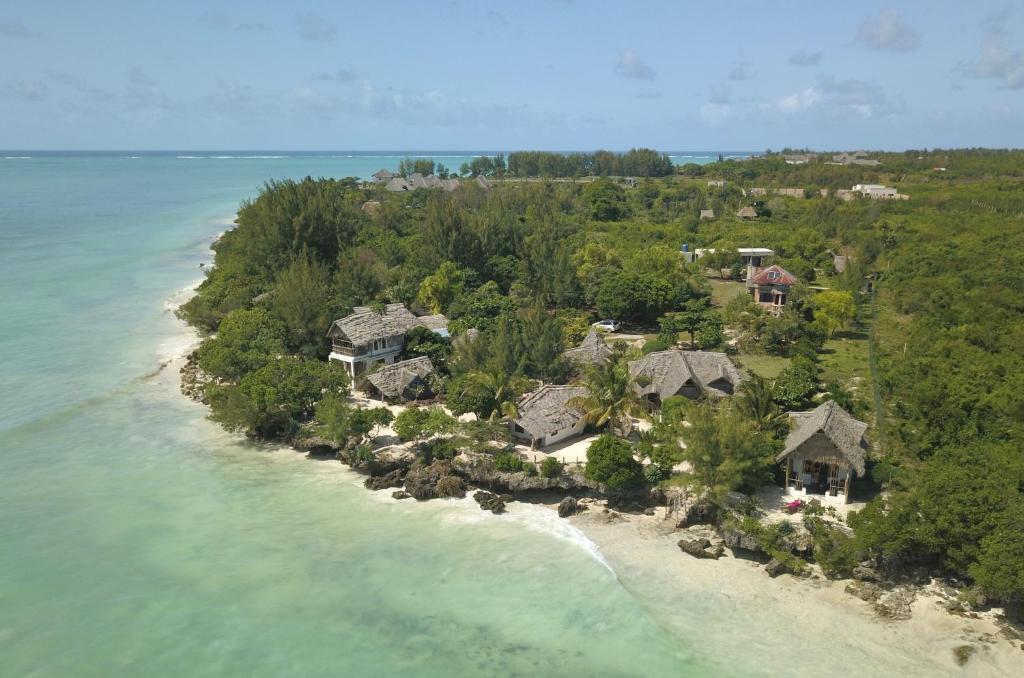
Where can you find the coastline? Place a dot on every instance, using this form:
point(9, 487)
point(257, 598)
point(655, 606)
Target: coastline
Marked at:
point(641, 553)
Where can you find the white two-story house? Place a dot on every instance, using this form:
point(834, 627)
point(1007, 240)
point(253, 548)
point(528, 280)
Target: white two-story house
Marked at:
point(368, 337)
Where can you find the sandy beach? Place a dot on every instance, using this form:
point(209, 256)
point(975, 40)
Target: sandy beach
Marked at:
point(794, 623)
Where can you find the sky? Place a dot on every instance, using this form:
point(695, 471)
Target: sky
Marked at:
point(533, 74)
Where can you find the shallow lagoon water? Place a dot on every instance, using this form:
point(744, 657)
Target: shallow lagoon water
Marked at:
point(138, 538)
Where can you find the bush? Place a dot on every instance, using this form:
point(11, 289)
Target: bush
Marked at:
point(610, 461)
point(438, 448)
point(655, 473)
point(509, 461)
point(551, 467)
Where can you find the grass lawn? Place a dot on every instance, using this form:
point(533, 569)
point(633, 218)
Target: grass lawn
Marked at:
point(723, 291)
point(844, 357)
point(768, 366)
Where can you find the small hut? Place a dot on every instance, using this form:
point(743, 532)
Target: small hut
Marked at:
point(592, 350)
point(707, 214)
point(747, 213)
point(825, 448)
point(405, 380)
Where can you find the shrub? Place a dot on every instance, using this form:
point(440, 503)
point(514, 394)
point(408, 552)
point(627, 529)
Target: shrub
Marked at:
point(655, 473)
point(509, 461)
point(610, 461)
point(551, 467)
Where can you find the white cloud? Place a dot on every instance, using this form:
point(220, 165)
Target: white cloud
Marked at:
point(24, 90)
point(715, 114)
point(16, 29)
point(742, 71)
point(315, 28)
point(79, 85)
point(888, 31)
point(998, 62)
point(843, 98)
point(800, 101)
point(804, 58)
point(225, 22)
point(339, 75)
point(144, 92)
point(629, 65)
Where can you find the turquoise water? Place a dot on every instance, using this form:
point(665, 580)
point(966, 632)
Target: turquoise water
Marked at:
point(138, 539)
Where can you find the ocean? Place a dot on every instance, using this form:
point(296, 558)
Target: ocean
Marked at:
point(140, 539)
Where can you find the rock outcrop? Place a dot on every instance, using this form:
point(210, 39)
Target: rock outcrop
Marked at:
point(495, 503)
point(742, 543)
point(479, 470)
point(437, 479)
point(380, 463)
point(700, 548)
point(395, 478)
point(775, 567)
point(567, 507)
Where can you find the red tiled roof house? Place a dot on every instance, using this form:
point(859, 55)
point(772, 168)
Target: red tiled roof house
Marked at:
point(769, 287)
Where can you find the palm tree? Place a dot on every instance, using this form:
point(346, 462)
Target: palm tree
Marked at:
point(756, 402)
point(497, 388)
point(611, 399)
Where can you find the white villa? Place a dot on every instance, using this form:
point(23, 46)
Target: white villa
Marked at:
point(823, 451)
point(368, 337)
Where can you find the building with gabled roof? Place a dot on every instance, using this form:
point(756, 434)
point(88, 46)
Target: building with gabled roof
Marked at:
point(747, 213)
point(593, 350)
point(694, 374)
point(404, 380)
point(824, 449)
point(770, 287)
point(545, 416)
point(367, 337)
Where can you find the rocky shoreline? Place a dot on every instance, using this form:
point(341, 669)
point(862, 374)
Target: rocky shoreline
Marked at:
point(700, 530)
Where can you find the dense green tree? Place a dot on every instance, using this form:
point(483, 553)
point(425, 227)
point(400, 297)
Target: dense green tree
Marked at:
point(443, 288)
point(247, 340)
point(605, 200)
point(833, 310)
point(724, 451)
point(610, 461)
point(343, 422)
point(273, 400)
point(303, 301)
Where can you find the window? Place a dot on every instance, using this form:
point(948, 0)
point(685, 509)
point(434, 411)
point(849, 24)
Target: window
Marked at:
point(765, 296)
point(773, 275)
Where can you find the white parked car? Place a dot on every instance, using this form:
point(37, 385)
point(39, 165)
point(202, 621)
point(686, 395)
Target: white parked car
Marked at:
point(607, 325)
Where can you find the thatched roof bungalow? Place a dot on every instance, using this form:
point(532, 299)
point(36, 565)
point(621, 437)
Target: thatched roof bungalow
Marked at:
point(824, 449)
point(593, 350)
point(405, 380)
point(694, 374)
point(545, 416)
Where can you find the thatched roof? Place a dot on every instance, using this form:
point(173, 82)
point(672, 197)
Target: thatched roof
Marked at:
point(747, 212)
point(371, 206)
point(829, 422)
point(546, 410)
point(707, 214)
point(398, 379)
point(666, 372)
point(365, 325)
point(383, 174)
point(591, 351)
